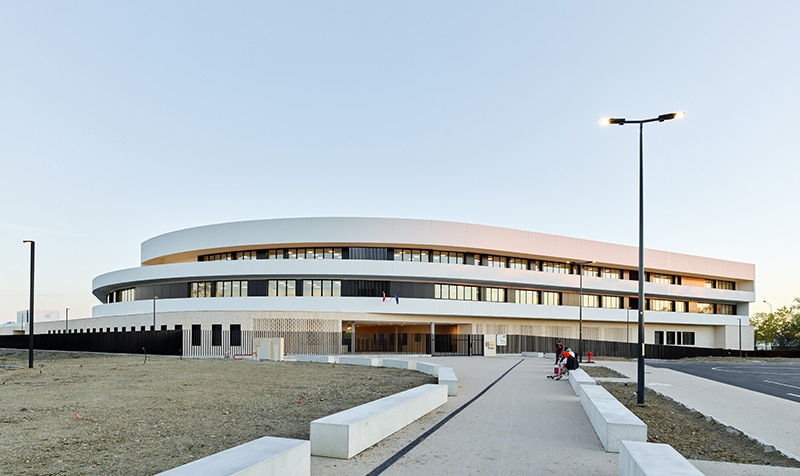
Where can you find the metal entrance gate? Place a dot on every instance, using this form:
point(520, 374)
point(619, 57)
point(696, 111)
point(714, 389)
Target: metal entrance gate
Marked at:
point(457, 344)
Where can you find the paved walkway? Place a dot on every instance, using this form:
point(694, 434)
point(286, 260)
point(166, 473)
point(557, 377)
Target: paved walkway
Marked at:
point(508, 419)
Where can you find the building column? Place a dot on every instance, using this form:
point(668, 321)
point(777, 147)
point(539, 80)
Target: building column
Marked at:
point(352, 337)
point(396, 339)
point(433, 338)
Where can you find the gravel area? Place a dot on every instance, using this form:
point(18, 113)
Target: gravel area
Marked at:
point(89, 414)
point(691, 433)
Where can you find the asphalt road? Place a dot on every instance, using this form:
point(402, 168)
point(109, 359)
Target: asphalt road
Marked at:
point(779, 379)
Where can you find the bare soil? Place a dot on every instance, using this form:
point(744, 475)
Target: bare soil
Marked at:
point(90, 414)
point(692, 434)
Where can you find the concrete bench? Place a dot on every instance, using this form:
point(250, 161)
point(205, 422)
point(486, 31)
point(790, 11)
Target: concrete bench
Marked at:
point(400, 364)
point(534, 354)
point(430, 369)
point(323, 359)
point(366, 361)
point(611, 420)
point(349, 432)
point(268, 455)
point(578, 378)
point(638, 458)
point(447, 376)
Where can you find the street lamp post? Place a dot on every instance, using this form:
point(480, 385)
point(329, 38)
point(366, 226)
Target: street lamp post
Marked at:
point(641, 122)
point(154, 312)
point(66, 325)
point(770, 306)
point(580, 310)
point(30, 306)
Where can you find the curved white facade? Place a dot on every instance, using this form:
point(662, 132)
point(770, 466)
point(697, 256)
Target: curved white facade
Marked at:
point(357, 260)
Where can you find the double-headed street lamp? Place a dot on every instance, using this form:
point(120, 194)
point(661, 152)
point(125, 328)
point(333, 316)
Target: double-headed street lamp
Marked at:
point(30, 306)
point(642, 122)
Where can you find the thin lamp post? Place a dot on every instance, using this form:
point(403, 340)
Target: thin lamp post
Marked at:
point(30, 306)
point(641, 122)
point(580, 310)
point(66, 325)
point(770, 306)
point(154, 312)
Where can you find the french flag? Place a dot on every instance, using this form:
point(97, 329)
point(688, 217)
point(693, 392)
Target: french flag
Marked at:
point(396, 298)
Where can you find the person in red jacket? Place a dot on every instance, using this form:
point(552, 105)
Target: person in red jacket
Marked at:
point(562, 365)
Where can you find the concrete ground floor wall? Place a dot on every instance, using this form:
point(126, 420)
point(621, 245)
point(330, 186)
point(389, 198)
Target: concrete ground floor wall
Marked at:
point(720, 336)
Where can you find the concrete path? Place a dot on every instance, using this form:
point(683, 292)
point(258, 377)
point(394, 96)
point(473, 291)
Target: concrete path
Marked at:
point(508, 419)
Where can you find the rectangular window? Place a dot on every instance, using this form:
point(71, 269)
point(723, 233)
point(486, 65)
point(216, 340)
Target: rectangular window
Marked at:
point(526, 296)
point(611, 302)
point(610, 273)
point(554, 267)
point(591, 300)
point(726, 309)
point(196, 334)
point(518, 263)
point(681, 306)
point(688, 338)
point(709, 283)
point(660, 305)
point(661, 278)
point(216, 334)
point(670, 337)
point(591, 271)
point(658, 338)
point(494, 294)
point(705, 308)
point(730, 285)
point(236, 334)
point(495, 261)
point(550, 298)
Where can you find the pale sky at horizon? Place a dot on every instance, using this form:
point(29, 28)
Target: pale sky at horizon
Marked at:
point(121, 121)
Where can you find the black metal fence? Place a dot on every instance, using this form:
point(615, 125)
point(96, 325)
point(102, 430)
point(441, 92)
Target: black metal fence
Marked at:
point(208, 343)
point(131, 342)
point(516, 344)
point(444, 344)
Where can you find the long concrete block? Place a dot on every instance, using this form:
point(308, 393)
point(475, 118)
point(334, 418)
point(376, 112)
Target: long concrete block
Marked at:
point(400, 364)
point(268, 455)
point(349, 432)
point(430, 369)
point(637, 458)
point(534, 354)
point(578, 378)
point(611, 420)
point(366, 361)
point(447, 376)
point(325, 359)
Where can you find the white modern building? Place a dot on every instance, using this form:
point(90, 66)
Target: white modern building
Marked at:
point(404, 278)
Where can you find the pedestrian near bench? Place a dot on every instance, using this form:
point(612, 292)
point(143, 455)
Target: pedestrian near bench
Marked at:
point(559, 351)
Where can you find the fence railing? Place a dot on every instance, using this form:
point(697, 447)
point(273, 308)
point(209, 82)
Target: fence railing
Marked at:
point(209, 343)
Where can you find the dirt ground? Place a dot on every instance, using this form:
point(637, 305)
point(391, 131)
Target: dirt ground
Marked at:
point(692, 434)
point(88, 414)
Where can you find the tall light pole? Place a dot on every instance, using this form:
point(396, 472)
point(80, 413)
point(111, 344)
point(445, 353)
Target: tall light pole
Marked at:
point(580, 310)
point(154, 312)
point(770, 306)
point(30, 306)
point(66, 326)
point(642, 122)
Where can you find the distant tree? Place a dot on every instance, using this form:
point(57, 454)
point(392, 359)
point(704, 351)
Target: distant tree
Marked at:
point(780, 328)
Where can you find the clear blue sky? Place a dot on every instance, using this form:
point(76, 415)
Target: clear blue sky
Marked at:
point(120, 121)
